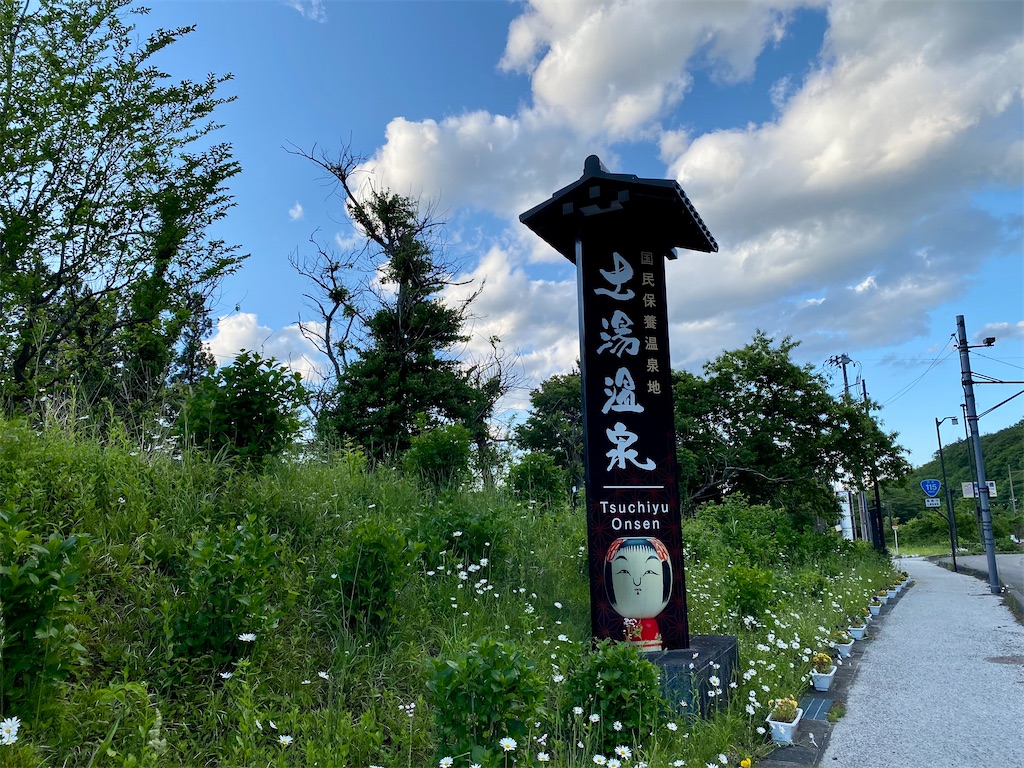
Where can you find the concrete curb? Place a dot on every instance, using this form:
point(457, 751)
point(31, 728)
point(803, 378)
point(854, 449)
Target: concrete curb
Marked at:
point(812, 736)
point(1012, 597)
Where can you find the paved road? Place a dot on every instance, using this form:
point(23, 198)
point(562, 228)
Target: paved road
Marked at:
point(941, 685)
point(1009, 568)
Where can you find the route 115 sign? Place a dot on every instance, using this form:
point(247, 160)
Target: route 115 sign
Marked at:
point(931, 487)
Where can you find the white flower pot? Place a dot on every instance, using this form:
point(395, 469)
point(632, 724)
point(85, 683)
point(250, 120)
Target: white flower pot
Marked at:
point(845, 649)
point(857, 633)
point(822, 681)
point(875, 609)
point(782, 733)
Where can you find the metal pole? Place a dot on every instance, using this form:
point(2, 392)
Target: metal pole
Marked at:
point(950, 512)
point(974, 472)
point(972, 416)
point(876, 514)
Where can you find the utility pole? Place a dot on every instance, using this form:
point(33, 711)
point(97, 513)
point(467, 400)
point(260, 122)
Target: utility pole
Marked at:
point(972, 417)
point(878, 534)
point(950, 511)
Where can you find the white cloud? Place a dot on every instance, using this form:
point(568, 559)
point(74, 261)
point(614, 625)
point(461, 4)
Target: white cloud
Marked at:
point(860, 179)
point(287, 345)
point(309, 9)
point(295, 212)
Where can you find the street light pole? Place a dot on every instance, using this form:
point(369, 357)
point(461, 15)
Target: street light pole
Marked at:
point(972, 418)
point(950, 512)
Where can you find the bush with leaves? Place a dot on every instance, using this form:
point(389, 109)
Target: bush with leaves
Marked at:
point(536, 477)
point(228, 586)
point(371, 569)
point(37, 596)
point(621, 686)
point(249, 409)
point(490, 691)
point(440, 456)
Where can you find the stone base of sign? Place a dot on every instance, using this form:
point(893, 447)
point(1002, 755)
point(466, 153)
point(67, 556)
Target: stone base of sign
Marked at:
point(686, 674)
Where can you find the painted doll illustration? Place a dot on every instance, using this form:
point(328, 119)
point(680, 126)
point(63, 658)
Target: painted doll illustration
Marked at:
point(638, 579)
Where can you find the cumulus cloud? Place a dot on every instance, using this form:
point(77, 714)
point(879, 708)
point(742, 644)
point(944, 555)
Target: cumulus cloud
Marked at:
point(295, 212)
point(846, 218)
point(243, 331)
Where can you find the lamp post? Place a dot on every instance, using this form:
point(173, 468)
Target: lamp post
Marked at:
point(950, 513)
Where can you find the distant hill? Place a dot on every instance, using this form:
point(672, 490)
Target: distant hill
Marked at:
point(1003, 454)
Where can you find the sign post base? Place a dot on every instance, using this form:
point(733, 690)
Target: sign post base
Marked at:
point(686, 673)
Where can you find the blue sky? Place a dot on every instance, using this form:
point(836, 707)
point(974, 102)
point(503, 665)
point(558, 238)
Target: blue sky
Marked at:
point(860, 165)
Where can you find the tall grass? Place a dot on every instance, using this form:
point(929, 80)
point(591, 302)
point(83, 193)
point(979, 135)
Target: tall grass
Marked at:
point(296, 616)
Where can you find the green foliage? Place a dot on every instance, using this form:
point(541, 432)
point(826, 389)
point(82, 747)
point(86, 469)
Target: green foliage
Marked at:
point(538, 478)
point(461, 526)
point(440, 456)
point(248, 409)
point(760, 425)
point(371, 570)
point(229, 585)
point(490, 691)
point(37, 597)
point(555, 423)
point(749, 590)
point(616, 682)
point(109, 183)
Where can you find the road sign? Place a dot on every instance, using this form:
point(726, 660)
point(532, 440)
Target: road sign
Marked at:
point(931, 487)
point(970, 490)
point(931, 503)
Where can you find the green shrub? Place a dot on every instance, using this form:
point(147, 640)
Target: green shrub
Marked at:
point(248, 409)
point(37, 596)
point(440, 456)
point(487, 693)
point(465, 526)
point(228, 587)
point(370, 570)
point(749, 590)
point(537, 478)
point(617, 683)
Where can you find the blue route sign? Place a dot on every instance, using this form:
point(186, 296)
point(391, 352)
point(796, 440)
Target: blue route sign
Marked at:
point(931, 487)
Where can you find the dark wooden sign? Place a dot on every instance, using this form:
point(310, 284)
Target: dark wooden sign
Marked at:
point(619, 230)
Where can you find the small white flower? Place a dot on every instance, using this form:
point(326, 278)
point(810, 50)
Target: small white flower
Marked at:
point(307, 682)
point(624, 752)
point(600, 759)
point(577, 710)
point(284, 740)
point(446, 762)
point(558, 678)
point(595, 718)
point(558, 605)
point(247, 637)
point(614, 763)
point(672, 726)
point(723, 759)
point(617, 725)
point(507, 744)
point(760, 730)
point(323, 675)
point(226, 675)
point(543, 757)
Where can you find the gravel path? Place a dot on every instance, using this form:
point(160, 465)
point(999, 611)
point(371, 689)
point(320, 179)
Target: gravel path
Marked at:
point(932, 691)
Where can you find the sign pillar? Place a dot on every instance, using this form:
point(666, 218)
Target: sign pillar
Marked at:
point(619, 230)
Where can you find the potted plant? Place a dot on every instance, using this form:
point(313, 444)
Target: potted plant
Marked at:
point(783, 719)
point(866, 614)
point(883, 596)
point(858, 627)
point(843, 642)
point(875, 606)
point(822, 671)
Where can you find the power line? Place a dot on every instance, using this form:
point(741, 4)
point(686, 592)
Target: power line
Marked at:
point(936, 361)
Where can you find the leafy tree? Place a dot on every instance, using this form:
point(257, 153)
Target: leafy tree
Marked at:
point(555, 423)
point(108, 185)
point(760, 425)
point(385, 328)
point(249, 409)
